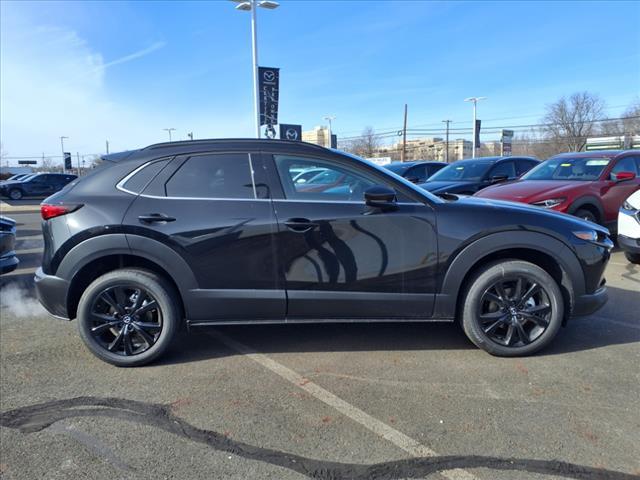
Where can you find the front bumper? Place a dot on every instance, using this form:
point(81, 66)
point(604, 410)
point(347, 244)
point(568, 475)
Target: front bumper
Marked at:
point(52, 294)
point(591, 302)
point(631, 245)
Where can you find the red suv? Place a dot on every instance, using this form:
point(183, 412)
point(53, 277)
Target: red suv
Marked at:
point(589, 185)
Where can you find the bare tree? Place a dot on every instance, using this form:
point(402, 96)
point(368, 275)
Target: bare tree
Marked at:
point(569, 121)
point(631, 119)
point(365, 145)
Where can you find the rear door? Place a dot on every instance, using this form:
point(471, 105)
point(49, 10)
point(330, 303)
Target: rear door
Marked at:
point(214, 210)
point(344, 260)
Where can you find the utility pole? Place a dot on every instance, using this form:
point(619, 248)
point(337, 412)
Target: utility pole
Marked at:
point(64, 170)
point(107, 143)
point(446, 144)
point(78, 160)
point(404, 136)
point(190, 135)
point(169, 130)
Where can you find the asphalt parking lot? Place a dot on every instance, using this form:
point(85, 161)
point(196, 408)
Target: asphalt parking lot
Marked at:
point(320, 401)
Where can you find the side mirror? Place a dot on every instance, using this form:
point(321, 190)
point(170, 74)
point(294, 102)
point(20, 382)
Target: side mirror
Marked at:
point(622, 176)
point(498, 179)
point(380, 196)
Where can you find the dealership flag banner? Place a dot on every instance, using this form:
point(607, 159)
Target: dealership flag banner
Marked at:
point(268, 85)
point(290, 132)
point(478, 124)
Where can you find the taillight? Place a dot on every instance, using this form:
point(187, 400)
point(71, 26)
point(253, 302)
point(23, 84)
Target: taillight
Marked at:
point(53, 211)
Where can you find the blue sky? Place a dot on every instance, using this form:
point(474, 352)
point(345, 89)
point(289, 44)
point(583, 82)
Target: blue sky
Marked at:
point(123, 71)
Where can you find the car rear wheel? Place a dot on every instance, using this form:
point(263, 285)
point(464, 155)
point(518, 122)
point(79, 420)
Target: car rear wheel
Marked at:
point(633, 257)
point(586, 215)
point(128, 317)
point(15, 194)
point(512, 308)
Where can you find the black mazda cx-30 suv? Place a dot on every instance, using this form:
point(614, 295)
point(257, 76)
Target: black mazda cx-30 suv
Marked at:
point(217, 232)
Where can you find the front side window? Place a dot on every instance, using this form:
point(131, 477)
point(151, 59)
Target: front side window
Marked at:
point(225, 175)
point(626, 164)
point(563, 168)
point(333, 182)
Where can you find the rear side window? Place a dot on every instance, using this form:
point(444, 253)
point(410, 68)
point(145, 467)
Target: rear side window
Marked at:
point(226, 175)
point(523, 166)
point(143, 176)
point(434, 168)
point(503, 169)
point(417, 174)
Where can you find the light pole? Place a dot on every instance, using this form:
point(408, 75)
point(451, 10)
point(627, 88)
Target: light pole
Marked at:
point(251, 5)
point(64, 169)
point(446, 145)
point(475, 100)
point(169, 130)
point(330, 118)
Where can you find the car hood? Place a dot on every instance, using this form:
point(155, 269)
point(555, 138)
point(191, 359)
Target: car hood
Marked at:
point(502, 206)
point(528, 191)
point(441, 186)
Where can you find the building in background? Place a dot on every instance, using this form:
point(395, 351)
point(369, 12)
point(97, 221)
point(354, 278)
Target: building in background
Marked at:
point(319, 136)
point(428, 149)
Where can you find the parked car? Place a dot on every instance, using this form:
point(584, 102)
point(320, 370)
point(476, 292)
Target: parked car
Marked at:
point(18, 176)
point(8, 260)
point(466, 177)
point(416, 172)
point(589, 185)
point(37, 185)
point(307, 174)
point(214, 232)
point(629, 227)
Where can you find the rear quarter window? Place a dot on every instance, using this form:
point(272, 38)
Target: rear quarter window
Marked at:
point(142, 177)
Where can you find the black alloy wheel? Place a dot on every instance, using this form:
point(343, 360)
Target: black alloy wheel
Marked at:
point(126, 320)
point(129, 317)
point(515, 311)
point(512, 308)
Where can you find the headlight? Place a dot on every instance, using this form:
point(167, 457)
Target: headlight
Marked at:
point(549, 203)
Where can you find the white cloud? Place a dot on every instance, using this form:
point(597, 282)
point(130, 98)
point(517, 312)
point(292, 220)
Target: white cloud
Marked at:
point(53, 83)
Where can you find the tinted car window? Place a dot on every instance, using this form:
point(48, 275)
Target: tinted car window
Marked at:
point(504, 169)
point(626, 164)
point(435, 168)
point(226, 175)
point(523, 166)
point(140, 180)
point(468, 170)
point(419, 173)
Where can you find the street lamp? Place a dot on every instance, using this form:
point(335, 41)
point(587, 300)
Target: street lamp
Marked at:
point(475, 100)
point(64, 169)
point(169, 130)
point(246, 6)
point(330, 118)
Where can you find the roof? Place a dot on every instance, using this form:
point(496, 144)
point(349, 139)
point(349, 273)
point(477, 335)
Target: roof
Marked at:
point(595, 153)
point(497, 159)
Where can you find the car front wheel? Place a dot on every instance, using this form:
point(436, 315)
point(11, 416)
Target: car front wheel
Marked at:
point(633, 257)
point(15, 194)
point(128, 317)
point(512, 308)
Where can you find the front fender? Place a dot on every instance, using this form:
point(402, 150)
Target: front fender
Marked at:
point(474, 253)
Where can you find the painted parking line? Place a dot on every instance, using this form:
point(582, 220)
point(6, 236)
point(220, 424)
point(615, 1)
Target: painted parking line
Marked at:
point(21, 271)
point(29, 237)
point(28, 251)
point(399, 439)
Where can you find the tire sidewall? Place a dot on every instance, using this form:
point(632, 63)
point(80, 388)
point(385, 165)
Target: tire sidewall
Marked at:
point(162, 293)
point(487, 278)
point(15, 190)
point(581, 212)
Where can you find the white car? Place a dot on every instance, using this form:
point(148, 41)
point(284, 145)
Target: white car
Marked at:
point(629, 227)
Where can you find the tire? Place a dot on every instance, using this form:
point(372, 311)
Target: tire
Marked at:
point(487, 322)
point(585, 214)
point(633, 257)
point(15, 194)
point(125, 329)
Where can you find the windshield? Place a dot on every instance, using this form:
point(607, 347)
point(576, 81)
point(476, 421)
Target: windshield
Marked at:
point(562, 168)
point(466, 171)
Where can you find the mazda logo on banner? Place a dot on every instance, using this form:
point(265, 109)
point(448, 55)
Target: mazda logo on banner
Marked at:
point(268, 86)
point(290, 132)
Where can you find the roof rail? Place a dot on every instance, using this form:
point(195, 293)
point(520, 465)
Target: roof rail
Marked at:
point(156, 146)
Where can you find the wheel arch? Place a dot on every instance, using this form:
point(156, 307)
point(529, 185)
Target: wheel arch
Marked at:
point(590, 202)
point(99, 255)
point(547, 252)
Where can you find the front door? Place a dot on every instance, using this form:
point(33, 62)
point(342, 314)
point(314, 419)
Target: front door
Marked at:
point(342, 259)
point(211, 212)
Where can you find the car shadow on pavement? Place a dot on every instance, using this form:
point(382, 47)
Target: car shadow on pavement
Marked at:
point(581, 333)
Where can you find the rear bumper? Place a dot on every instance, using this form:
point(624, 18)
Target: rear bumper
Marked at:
point(590, 303)
point(631, 245)
point(8, 264)
point(52, 294)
